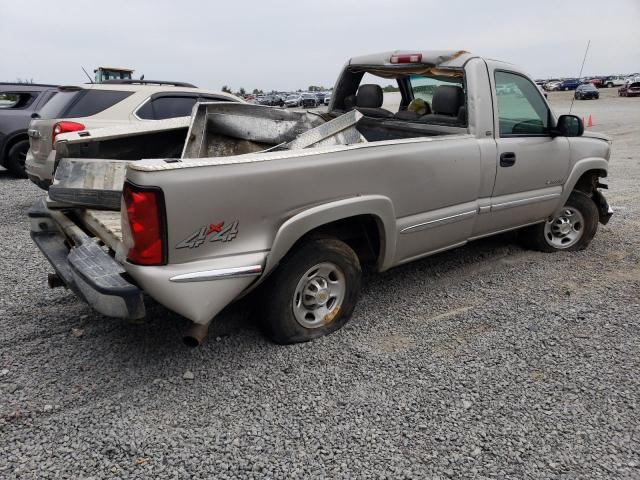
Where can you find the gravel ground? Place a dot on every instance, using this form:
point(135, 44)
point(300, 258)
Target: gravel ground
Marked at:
point(489, 361)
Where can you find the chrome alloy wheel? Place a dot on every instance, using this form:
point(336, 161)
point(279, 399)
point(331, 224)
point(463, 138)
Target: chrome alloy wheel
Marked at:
point(319, 295)
point(565, 229)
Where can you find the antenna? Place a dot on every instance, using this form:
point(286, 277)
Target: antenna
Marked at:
point(580, 75)
point(88, 76)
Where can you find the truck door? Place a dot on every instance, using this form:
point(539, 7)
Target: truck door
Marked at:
point(531, 165)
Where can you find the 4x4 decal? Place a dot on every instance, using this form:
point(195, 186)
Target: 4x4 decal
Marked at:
point(217, 232)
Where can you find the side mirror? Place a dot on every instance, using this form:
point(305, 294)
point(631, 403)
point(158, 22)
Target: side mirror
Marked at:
point(568, 126)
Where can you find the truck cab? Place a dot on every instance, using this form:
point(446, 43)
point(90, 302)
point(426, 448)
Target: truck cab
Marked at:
point(103, 74)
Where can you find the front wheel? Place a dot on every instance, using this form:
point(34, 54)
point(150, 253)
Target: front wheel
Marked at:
point(312, 292)
point(570, 229)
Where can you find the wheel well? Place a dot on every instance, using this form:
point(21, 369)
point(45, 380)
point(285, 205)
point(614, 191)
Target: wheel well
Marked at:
point(361, 232)
point(588, 181)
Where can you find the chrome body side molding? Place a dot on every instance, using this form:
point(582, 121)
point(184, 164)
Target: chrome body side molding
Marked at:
point(218, 274)
point(439, 221)
point(523, 201)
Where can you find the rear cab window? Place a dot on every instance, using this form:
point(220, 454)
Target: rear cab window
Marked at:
point(424, 87)
point(421, 96)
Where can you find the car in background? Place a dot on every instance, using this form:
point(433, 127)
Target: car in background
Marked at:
point(294, 100)
point(309, 100)
point(505, 90)
point(270, 100)
point(542, 91)
point(614, 81)
point(320, 97)
point(107, 104)
point(597, 82)
point(551, 84)
point(568, 84)
point(586, 91)
point(630, 90)
point(327, 99)
point(18, 102)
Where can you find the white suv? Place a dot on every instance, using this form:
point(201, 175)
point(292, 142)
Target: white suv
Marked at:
point(108, 104)
point(613, 81)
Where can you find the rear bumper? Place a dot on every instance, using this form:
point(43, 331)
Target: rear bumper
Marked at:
point(84, 267)
point(40, 173)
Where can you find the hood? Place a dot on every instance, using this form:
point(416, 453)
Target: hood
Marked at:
point(598, 135)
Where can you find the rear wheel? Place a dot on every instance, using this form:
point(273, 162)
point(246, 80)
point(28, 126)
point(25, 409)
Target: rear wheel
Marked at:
point(570, 229)
point(16, 158)
point(312, 292)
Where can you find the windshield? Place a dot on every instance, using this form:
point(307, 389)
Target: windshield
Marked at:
point(588, 87)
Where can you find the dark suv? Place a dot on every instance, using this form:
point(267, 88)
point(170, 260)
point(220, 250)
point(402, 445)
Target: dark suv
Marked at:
point(18, 101)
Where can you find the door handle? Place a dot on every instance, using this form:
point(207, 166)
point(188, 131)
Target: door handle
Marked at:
point(507, 159)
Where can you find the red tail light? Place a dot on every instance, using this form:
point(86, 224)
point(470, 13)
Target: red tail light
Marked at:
point(64, 127)
point(408, 58)
point(145, 234)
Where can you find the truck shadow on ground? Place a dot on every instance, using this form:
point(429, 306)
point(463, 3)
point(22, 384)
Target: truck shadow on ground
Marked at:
point(242, 319)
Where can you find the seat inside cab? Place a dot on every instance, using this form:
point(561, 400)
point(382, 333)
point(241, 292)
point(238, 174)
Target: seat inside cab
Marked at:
point(424, 103)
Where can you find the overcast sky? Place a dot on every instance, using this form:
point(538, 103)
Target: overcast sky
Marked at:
point(291, 44)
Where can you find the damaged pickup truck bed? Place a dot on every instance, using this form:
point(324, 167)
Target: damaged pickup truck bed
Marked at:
point(295, 204)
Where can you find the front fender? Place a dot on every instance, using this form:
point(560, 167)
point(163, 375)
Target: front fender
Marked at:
point(302, 223)
point(577, 171)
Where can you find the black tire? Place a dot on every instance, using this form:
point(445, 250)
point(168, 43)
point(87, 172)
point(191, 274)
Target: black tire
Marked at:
point(279, 320)
point(16, 158)
point(535, 237)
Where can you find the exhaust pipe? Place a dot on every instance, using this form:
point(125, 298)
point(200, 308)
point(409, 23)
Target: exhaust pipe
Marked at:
point(195, 335)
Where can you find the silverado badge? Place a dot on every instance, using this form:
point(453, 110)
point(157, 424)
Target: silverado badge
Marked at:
point(217, 232)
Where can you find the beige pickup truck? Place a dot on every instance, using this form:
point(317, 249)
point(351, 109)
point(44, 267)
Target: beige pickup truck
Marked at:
point(290, 206)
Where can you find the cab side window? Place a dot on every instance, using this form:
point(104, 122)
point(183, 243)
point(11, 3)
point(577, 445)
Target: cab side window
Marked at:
point(521, 108)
